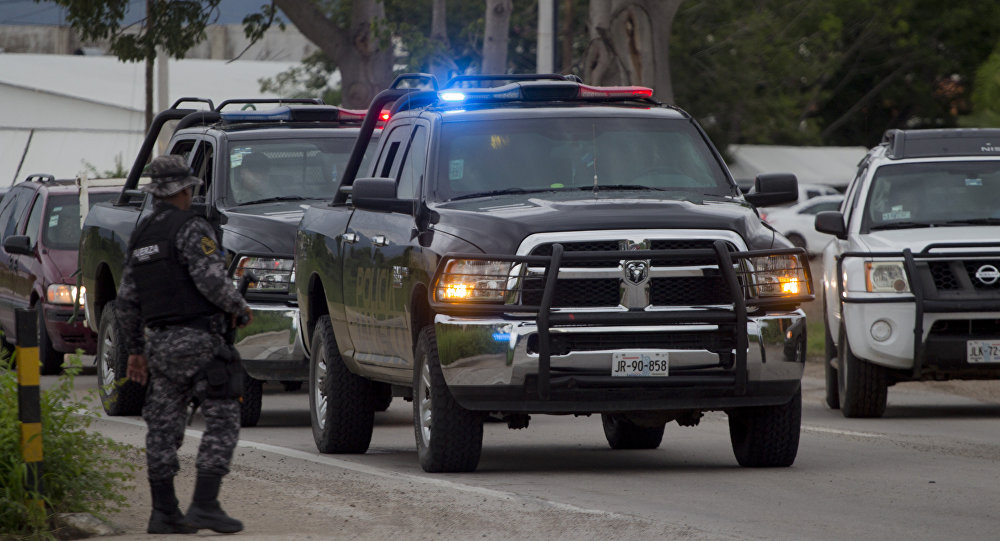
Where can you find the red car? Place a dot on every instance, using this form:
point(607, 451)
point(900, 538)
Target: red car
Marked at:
point(40, 231)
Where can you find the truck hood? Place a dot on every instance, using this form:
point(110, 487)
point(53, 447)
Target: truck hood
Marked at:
point(267, 227)
point(58, 266)
point(499, 224)
point(917, 239)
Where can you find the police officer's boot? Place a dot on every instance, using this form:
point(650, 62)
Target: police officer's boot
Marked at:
point(205, 511)
point(166, 516)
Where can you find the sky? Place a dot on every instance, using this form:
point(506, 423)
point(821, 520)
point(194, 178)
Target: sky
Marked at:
point(26, 12)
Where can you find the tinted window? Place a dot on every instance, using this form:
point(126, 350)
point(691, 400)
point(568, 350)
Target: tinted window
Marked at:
point(821, 207)
point(932, 193)
point(413, 166)
point(35, 220)
point(61, 223)
point(289, 168)
point(15, 202)
point(575, 153)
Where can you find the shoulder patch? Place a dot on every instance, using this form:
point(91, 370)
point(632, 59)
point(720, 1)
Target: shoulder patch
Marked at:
point(208, 246)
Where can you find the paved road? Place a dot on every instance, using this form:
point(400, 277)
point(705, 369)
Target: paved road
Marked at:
point(929, 470)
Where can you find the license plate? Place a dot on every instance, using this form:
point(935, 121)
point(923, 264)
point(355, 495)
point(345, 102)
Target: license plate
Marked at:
point(640, 363)
point(982, 351)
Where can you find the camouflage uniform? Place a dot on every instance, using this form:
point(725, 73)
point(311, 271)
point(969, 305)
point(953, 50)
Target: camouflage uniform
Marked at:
point(177, 357)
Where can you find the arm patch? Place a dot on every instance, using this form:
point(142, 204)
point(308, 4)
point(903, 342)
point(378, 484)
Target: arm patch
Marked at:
point(208, 246)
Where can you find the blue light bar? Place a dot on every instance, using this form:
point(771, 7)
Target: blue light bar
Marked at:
point(277, 113)
point(452, 96)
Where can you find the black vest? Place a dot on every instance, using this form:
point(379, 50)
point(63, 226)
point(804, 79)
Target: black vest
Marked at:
point(167, 294)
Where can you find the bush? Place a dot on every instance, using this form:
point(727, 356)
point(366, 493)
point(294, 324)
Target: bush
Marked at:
point(83, 472)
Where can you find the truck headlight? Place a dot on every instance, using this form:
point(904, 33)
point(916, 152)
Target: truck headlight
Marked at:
point(274, 274)
point(64, 294)
point(473, 280)
point(886, 277)
point(780, 276)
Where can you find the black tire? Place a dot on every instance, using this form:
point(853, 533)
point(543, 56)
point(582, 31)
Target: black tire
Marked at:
point(341, 403)
point(291, 386)
point(383, 396)
point(449, 437)
point(863, 386)
point(624, 434)
point(797, 240)
point(766, 436)
point(253, 397)
point(51, 359)
point(119, 396)
point(829, 354)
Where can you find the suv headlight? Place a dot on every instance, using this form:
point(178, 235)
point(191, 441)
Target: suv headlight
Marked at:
point(274, 274)
point(473, 280)
point(886, 277)
point(64, 294)
point(779, 276)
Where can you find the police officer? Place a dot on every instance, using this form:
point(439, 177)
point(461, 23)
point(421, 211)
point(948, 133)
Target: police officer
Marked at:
point(174, 286)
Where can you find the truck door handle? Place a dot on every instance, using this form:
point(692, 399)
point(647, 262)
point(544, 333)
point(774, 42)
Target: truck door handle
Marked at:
point(350, 238)
point(379, 240)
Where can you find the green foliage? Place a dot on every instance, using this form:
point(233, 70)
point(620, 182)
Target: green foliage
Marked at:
point(986, 95)
point(119, 170)
point(82, 471)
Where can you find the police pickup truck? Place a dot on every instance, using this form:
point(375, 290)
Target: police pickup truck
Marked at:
point(541, 246)
point(260, 169)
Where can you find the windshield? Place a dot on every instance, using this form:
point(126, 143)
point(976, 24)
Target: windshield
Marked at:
point(933, 194)
point(275, 170)
point(545, 154)
point(62, 219)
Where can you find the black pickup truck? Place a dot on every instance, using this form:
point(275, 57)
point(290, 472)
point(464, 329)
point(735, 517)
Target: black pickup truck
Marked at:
point(260, 168)
point(542, 246)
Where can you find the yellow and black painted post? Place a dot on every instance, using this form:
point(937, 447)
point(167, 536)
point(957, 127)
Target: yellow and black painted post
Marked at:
point(29, 405)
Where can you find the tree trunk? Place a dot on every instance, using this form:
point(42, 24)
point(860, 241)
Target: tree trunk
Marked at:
point(441, 64)
point(566, 37)
point(495, 36)
point(365, 62)
point(630, 44)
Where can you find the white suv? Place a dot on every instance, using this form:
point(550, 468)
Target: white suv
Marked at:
point(911, 287)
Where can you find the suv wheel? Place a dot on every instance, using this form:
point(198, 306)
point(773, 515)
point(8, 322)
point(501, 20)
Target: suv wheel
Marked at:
point(766, 436)
point(624, 434)
point(829, 354)
point(119, 396)
point(341, 403)
point(51, 359)
point(449, 437)
point(863, 386)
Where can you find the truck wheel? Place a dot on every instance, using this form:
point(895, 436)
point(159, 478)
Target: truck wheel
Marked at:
point(51, 359)
point(449, 437)
point(119, 396)
point(624, 434)
point(864, 387)
point(766, 436)
point(253, 395)
point(341, 403)
point(383, 396)
point(829, 354)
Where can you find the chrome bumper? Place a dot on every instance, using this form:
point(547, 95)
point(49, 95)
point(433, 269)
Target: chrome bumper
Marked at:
point(482, 352)
point(271, 347)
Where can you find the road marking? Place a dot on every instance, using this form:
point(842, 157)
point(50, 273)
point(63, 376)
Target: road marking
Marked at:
point(371, 470)
point(839, 432)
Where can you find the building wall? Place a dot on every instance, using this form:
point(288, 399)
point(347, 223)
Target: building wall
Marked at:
point(222, 42)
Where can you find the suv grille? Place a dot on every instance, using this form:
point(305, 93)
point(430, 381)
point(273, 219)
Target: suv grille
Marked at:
point(948, 275)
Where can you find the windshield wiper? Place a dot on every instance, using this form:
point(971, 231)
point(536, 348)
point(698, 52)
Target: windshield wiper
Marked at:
point(623, 187)
point(901, 225)
point(505, 191)
point(274, 199)
point(974, 221)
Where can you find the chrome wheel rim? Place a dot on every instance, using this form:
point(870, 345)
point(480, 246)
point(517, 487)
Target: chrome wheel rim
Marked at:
point(319, 393)
point(424, 401)
point(107, 369)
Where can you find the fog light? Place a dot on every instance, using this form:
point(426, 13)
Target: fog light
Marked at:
point(881, 330)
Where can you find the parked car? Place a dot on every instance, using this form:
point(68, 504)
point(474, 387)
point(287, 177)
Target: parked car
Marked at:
point(911, 289)
point(797, 222)
point(40, 218)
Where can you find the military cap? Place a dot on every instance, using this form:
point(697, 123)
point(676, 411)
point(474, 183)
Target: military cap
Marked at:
point(170, 174)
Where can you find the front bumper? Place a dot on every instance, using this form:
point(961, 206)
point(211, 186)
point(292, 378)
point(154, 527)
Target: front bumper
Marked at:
point(489, 364)
point(67, 336)
point(271, 346)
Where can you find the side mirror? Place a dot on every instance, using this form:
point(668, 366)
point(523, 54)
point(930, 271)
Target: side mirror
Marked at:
point(379, 194)
point(831, 222)
point(18, 244)
point(774, 189)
